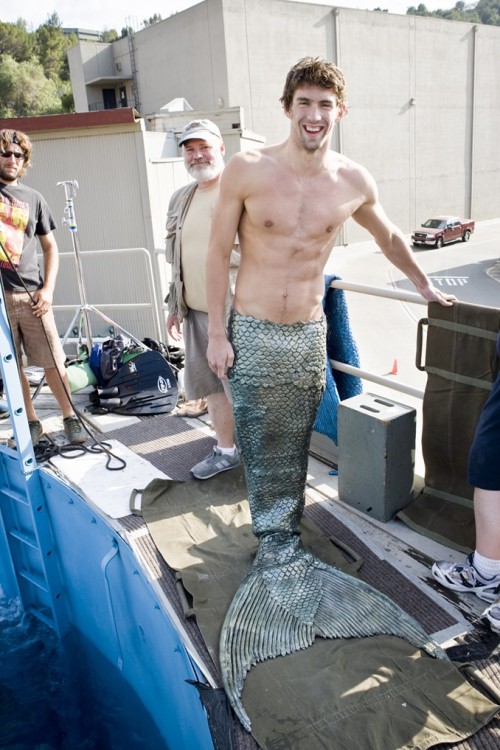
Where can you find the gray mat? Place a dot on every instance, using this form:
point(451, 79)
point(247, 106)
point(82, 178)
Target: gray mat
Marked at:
point(167, 442)
point(487, 738)
point(344, 690)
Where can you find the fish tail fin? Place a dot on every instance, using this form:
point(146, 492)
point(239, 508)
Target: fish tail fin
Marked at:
point(256, 628)
point(280, 609)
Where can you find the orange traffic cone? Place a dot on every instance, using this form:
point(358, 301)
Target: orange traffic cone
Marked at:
point(394, 370)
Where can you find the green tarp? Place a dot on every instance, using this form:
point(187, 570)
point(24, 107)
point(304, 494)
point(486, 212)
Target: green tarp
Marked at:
point(376, 693)
point(461, 364)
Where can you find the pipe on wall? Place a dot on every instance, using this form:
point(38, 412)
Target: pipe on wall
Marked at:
point(340, 124)
point(472, 121)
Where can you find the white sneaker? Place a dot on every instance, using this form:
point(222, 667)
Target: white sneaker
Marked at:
point(464, 577)
point(492, 616)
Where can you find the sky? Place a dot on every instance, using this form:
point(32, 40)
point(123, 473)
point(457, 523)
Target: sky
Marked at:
point(115, 14)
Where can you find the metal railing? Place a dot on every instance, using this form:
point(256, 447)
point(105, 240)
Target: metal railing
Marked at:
point(395, 294)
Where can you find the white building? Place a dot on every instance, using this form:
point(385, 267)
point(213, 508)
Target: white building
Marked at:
point(423, 93)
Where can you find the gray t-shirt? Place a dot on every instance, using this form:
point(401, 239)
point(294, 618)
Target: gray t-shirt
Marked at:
point(24, 214)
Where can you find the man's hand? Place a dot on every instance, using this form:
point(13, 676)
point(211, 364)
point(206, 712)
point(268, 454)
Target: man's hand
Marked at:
point(42, 303)
point(174, 327)
point(431, 294)
point(220, 356)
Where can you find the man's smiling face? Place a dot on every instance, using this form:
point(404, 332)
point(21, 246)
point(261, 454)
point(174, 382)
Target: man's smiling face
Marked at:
point(313, 113)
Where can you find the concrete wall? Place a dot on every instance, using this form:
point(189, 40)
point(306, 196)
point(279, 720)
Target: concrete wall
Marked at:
point(77, 71)
point(416, 124)
point(263, 42)
point(423, 93)
point(183, 56)
point(484, 123)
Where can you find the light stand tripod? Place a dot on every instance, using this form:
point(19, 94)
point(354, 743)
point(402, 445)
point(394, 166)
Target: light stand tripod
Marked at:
point(83, 310)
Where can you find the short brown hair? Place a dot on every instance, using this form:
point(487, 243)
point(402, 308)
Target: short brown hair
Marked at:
point(312, 71)
point(21, 139)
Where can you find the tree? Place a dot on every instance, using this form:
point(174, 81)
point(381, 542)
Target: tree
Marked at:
point(489, 11)
point(16, 41)
point(52, 44)
point(25, 90)
point(484, 11)
point(108, 35)
point(34, 69)
point(153, 19)
point(421, 10)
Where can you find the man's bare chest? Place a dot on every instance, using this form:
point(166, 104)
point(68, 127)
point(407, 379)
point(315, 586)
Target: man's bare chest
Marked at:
point(312, 211)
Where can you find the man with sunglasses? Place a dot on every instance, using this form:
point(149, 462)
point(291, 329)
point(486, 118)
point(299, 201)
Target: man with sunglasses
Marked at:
point(25, 219)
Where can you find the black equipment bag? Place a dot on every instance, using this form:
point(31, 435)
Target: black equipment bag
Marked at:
point(144, 384)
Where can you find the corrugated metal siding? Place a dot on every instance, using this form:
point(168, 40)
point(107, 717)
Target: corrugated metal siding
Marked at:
point(109, 204)
point(121, 202)
point(164, 178)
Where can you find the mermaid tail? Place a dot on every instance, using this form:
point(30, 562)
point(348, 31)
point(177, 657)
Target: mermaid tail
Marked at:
point(281, 607)
point(290, 596)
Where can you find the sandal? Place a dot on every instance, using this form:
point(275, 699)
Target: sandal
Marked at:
point(192, 408)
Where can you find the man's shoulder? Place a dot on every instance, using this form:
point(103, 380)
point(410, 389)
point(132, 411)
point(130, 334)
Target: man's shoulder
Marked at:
point(244, 164)
point(181, 193)
point(348, 168)
point(21, 187)
point(250, 156)
point(22, 193)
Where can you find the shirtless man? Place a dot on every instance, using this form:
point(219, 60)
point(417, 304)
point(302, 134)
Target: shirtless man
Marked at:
point(287, 203)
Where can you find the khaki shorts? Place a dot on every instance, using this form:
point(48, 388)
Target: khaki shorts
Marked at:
point(36, 337)
point(199, 380)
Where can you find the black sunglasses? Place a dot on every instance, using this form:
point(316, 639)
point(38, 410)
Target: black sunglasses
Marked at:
point(15, 154)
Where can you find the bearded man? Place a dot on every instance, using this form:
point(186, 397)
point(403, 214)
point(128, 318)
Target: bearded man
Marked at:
point(188, 229)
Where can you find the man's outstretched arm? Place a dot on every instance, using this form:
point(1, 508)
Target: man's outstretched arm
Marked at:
point(393, 244)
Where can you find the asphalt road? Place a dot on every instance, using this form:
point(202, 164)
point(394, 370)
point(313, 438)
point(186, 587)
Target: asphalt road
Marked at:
point(465, 269)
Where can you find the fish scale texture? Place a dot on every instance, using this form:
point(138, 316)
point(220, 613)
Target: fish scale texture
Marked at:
point(290, 596)
point(277, 382)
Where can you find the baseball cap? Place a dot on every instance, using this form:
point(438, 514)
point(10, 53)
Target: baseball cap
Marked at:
point(204, 129)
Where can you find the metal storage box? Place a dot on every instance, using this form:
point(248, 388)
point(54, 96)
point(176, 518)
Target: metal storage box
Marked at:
point(376, 448)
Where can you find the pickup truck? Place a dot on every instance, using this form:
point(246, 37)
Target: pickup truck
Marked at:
point(437, 232)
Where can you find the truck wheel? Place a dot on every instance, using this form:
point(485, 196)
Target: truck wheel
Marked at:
point(466, 236)
point(439, 242)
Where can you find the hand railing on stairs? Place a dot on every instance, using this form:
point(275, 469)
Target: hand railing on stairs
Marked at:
point(28, 558)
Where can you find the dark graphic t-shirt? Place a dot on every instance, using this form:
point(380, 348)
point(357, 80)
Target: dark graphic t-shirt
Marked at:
point(24, 214)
